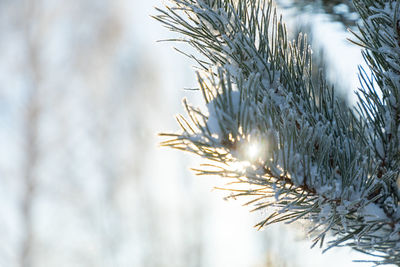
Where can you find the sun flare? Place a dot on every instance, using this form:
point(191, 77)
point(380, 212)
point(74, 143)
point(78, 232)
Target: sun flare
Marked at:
point(253, 151)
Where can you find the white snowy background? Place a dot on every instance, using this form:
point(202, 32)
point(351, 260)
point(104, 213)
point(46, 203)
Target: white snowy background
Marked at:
point(84, 90)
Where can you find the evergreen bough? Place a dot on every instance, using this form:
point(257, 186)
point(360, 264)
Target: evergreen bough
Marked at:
point(315, 158)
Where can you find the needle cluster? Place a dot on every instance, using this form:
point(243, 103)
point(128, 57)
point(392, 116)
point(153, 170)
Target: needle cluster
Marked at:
point(318, 159)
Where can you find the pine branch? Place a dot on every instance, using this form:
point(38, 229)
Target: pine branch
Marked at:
point(291, 142)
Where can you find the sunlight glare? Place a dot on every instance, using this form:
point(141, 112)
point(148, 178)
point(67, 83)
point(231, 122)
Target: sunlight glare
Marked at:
point(253, 151)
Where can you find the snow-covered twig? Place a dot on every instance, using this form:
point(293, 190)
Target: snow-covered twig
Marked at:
point(296, 146)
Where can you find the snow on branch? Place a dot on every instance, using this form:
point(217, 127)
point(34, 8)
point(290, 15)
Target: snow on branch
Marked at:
point(292, 144)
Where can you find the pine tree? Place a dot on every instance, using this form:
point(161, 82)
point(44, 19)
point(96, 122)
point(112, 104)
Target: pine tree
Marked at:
point(287, 141)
